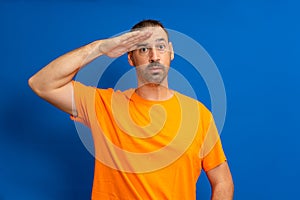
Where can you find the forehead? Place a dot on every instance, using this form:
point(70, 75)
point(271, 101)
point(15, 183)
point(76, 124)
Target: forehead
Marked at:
point(157, 34)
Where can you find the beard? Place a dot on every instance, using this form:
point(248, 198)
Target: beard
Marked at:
point(153, 73)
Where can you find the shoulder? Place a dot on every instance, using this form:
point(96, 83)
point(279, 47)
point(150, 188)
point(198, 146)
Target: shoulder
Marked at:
point(112, 94)
point(184, 99)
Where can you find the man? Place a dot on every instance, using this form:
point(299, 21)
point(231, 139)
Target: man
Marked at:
point(150, 142)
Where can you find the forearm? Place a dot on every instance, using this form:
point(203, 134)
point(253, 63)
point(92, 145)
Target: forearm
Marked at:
point(222, 191)
point(61, 71)
point(53, 82)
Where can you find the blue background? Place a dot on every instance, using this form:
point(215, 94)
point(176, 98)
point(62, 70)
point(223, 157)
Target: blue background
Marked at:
point(255, 45)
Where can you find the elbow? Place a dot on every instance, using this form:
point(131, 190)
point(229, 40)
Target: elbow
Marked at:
point(30, 82)
point(228, 189)
point(224, 190)
point(34, 86)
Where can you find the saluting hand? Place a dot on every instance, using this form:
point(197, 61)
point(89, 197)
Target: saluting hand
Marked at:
point(117, 46)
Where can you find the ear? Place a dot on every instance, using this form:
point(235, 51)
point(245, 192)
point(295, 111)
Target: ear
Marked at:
point(130, 59)
point(171, 50)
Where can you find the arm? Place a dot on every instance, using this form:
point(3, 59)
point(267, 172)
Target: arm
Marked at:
point(221, 182)
point(54, 82)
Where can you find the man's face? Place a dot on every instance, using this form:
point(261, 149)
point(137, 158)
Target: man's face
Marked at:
point(152, 57)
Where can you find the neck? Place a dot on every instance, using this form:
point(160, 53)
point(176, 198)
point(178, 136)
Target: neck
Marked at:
point(154, 92)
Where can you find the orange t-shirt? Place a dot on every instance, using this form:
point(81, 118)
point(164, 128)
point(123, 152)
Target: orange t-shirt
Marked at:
point(147, 149)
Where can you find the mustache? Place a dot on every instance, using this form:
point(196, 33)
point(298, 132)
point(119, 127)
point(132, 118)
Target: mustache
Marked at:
point(155, 64)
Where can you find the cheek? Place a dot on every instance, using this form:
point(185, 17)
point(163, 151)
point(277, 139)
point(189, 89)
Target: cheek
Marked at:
point(137, 61)
point(167, 59)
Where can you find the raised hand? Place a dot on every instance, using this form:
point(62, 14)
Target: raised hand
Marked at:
point(54, 82)
point(117, 46)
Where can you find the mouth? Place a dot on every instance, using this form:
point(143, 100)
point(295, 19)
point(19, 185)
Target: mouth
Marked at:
point(155, 69)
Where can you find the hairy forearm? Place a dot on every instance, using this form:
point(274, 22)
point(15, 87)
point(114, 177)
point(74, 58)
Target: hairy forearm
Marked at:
point(62, 70)
point(223, 191)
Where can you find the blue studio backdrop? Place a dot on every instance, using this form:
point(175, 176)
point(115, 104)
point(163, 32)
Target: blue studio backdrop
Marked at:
point(254, 44)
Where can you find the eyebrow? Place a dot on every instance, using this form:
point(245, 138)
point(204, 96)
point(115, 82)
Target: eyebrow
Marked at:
point(160, 39)
point(142, 45)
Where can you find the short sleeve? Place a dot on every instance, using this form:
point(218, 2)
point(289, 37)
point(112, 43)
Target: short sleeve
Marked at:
point(84, 102)
point(211, 152)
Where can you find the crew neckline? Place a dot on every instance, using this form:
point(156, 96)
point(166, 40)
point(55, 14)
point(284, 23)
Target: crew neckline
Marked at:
point(136, 97)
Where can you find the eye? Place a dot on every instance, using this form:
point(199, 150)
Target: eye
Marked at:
point(161, 47)
point(143, 50)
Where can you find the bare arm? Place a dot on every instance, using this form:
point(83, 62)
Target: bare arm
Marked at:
point(221, 182)
point(54, 82)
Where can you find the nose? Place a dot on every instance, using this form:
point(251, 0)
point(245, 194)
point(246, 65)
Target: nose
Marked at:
point(153, 55)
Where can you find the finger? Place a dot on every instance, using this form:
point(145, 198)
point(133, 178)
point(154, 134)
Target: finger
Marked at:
point(133, 44)
point(137, 33)
point(134, 38)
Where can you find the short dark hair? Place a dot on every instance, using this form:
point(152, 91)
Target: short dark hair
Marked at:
point(149, 23)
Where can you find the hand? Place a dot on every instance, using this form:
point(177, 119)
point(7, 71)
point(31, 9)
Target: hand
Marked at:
point(117, 46)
